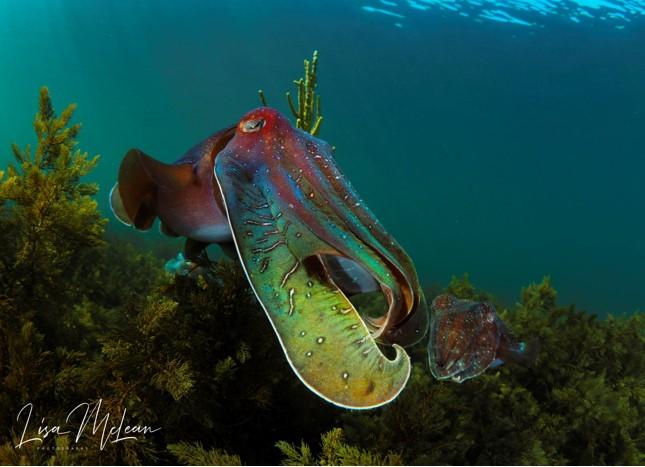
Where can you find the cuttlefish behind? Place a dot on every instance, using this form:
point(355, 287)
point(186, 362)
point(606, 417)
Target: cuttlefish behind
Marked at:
point(273, 195)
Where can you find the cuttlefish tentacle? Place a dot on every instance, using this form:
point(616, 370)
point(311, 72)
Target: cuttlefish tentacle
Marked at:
point(325, 340)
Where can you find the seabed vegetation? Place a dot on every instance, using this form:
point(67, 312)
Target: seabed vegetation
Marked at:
point(86, 316)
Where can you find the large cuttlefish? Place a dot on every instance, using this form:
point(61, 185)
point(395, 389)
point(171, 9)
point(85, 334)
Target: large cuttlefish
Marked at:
point(272, 194)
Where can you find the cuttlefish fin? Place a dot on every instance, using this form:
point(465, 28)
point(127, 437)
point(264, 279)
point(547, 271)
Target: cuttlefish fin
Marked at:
point(133, 197)
point(326, 342)
point(116, 204)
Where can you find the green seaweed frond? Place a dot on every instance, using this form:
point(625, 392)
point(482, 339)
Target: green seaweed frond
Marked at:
point(540, 296)
point(175, 377)
point(294, 455)
point(196, 454)
point(334, 451)
point(55, 149)
point(307, 111)
point(50, 229)
point(461, 287)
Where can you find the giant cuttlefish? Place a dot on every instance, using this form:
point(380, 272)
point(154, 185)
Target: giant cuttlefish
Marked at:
point(273, 195)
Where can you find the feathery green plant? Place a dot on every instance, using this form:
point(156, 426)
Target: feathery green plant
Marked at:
point(57, 283)
point(334, 451)
point(50, 223)
point(195, 454)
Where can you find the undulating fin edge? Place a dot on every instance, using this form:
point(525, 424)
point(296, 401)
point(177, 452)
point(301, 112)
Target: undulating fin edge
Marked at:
point(133, 198)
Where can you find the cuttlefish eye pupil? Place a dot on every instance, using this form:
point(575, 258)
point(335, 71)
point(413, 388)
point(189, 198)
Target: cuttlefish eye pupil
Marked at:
point(255, 124)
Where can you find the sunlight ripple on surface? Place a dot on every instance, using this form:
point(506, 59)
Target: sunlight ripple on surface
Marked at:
point(528, 13)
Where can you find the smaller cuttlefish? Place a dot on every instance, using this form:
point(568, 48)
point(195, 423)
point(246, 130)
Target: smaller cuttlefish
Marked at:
point(468, 337)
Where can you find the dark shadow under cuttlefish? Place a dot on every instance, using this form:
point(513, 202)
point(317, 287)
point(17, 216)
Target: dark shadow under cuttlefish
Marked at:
point(273, 195)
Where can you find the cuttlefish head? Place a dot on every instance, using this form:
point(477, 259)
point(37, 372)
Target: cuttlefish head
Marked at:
point(465, 338)
point(307, 242)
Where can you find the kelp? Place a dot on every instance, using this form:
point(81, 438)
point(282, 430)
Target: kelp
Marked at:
point(86, 316)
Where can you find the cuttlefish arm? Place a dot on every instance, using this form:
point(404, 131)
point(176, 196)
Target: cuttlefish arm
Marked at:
point(355, 232)
point(281, 239)
point(353, 279)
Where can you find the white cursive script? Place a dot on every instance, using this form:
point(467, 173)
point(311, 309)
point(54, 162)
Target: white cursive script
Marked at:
point(91, 417)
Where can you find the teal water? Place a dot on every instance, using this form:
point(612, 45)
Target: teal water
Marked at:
point(506, 148)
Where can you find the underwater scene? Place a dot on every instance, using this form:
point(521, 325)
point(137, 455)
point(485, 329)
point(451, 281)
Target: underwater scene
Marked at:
point(341, 232)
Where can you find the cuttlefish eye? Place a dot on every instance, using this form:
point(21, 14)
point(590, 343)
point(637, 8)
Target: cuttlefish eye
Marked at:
point(252, 125)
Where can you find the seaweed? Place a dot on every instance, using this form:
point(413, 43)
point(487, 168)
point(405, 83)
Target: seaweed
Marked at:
point(307, 110)
point(199, 358)
point(50, 235)
point(195, 454)
point(54, 265)
point(334, 451)
point(50, 223)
